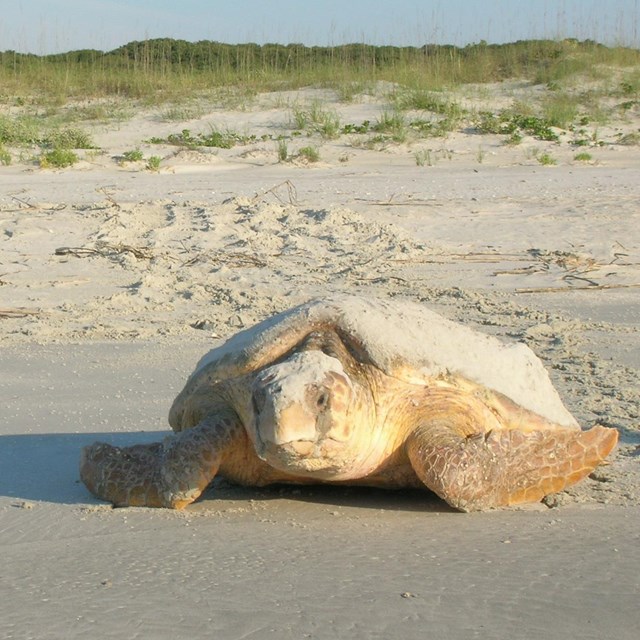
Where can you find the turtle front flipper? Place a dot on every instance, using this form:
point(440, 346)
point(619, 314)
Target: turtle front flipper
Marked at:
point(172, 473)
point(504, 467)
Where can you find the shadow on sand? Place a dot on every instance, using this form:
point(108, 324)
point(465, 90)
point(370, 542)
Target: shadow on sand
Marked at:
point(44, 467)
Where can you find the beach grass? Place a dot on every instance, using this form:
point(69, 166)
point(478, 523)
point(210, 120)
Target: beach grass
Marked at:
point(164, 71)
point(45, 101)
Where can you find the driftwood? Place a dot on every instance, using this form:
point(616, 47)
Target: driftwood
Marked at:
point(594, 287)
point(229, 259)
point(18, 312)
point(141, 253)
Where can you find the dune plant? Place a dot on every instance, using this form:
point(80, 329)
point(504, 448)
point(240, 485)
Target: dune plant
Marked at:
point(163, 71)
point(393, 123)
point(153, 163)
point(282, 150)
point(21, 131)
point(68, 138)
point(133, 155)
point(423, 157)
point(58, 158)
point(309, 154)
point(547, 159)
point(5, 156)
point(316, 119)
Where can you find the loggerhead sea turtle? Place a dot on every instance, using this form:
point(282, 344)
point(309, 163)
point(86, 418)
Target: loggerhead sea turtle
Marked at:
point(353, 390)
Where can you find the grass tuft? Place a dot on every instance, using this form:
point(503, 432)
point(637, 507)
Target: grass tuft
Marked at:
point(58, 159)
point(309, 154)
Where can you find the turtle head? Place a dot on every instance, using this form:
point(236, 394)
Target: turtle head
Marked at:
point(304, 414)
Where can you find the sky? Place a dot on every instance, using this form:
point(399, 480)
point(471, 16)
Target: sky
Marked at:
point(53, 26)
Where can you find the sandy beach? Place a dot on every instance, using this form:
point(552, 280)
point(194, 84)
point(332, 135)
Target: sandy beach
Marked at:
point(115, 279)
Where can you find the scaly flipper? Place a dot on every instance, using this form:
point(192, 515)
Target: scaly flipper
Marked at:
point(172, 473)
point(504, 467)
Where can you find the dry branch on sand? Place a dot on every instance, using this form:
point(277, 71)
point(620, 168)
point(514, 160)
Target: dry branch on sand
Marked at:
point(105, 250)
point(18, 312)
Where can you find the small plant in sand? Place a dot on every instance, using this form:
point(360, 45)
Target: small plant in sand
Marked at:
point(133, 155)
point(437, 129)
point(23, 131)
point(514, 139)
point(560, 109)
point(547, 160)
point(316, 119)
point(480, 154)
point(181, 112)
point(5, 156)
point(629, 139)
point(423, 157)
point(58, 159)
point(423, 100)
point(153, 163)
point(364, 127)
point(214, 138)
point(509, 122)
point(583, 156)
point(68, 138)
point(283, 150)
point(350, 90)
point(330, 126)
point(309, 154)
point(394, 124)
point(19, 131)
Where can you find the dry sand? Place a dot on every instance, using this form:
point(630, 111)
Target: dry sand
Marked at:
point(115, 280)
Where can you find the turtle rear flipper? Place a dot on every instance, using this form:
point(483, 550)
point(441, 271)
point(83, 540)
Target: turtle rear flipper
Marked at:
point(172, 473)
point(504, 467)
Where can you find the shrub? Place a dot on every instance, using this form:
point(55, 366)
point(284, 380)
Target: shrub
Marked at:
point(58, 158)
point(547, 159)
point(135, 155)
point(68, 139)
point(310, 154)
point(153, 163)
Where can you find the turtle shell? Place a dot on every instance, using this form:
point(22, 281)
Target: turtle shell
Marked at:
point(403, 339)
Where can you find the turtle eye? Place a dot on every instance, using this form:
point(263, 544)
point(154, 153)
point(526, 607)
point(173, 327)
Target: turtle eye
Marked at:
point(323, 401)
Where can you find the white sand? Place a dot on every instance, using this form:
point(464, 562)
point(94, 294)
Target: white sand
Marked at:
point(96, 343)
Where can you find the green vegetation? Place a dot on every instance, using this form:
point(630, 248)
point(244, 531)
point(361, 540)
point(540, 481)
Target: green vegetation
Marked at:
point(58, 159)
point(135, 155)
point(422, 157)
point(23, 131)
point(165, 70)
point(5, 156)
point(547, 160)
point(510, 122)
point(214, 138)
point(583, 157)
point(283, 150)
point(153, 163)
point(316, 119)
point(394, 124)
point(309, 154)
point(587, 85)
